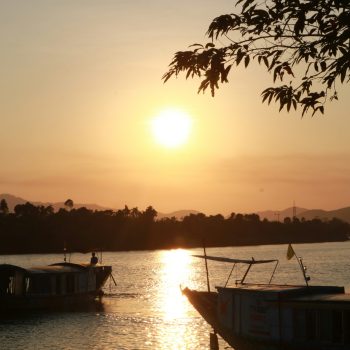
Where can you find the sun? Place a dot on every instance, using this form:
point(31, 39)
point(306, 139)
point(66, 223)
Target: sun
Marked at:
point(171, 128)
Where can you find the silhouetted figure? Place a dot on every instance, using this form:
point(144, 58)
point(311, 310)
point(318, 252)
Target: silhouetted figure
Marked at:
point(4, 284)
point(94, 259)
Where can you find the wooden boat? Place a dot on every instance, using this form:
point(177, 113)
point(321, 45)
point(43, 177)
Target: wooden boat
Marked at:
point(60, 285)
point(274, 317)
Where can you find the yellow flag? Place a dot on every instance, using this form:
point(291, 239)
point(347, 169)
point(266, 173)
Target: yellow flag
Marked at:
point(290, 252)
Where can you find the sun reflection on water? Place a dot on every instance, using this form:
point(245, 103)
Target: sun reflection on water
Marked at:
point(174, 308)
point(175, 273)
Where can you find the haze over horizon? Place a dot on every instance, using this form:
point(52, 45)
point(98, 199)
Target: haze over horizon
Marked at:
point(81, 85)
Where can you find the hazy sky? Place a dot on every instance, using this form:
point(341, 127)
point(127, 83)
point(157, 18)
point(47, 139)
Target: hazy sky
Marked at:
point(80, 82)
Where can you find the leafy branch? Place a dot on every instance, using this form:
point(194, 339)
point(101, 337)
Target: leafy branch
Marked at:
point(280, 34)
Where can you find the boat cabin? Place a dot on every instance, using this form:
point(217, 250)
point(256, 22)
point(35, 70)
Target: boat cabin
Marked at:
point(289, 314)
point(54, 280)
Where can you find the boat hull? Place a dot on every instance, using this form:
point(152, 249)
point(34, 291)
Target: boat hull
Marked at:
point(206, 303)
point(30, 303)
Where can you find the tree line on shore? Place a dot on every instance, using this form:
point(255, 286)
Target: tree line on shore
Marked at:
point(38, 229)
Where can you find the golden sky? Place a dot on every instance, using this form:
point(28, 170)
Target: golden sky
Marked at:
point(81, 82)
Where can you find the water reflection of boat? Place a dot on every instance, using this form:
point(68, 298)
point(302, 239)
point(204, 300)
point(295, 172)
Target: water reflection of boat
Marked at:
point(61, 285)
point(274, 317)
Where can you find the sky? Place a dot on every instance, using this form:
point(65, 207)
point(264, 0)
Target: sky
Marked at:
point(80, 83)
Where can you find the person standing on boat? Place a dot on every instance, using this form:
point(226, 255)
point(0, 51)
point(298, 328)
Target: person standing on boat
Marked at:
point(94, 259)
point(4, 285)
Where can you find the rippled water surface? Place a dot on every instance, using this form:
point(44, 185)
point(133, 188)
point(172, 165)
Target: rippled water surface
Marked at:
point(146, 309)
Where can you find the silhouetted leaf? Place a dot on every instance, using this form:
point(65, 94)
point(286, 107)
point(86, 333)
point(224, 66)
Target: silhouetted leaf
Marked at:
point(246, 61)
point(246, 4)
point(266, 61)
point(240, 55)
point(208, 45)
point(299, 25)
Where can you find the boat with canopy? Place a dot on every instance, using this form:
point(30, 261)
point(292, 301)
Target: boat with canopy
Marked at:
point(268, 316)
point(62, 285)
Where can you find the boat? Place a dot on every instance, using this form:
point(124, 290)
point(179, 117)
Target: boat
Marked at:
point(267, 316)
point(62, 285)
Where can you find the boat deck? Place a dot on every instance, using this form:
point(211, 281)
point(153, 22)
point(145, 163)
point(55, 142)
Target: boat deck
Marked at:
point(283, 288)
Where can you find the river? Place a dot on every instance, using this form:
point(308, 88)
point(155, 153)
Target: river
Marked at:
point(146, 309)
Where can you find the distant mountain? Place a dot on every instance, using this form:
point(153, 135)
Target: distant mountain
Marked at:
point(179, 214)
point(308, 214)
point(12, 201)
point(280, 215)
point(271, 215)
point(342, 214)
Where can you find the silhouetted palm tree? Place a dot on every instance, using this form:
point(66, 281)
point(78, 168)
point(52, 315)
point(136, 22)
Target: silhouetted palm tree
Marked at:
point(4, 209)
point(69, 204)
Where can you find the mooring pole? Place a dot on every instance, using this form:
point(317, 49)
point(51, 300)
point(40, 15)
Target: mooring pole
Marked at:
point(214, 342)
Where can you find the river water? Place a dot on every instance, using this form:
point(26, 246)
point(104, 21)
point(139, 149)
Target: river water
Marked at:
point(146, 309)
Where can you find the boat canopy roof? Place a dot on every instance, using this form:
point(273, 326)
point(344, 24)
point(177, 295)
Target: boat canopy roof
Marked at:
point(235, 261)
point(72, 265)
point(249, 262)
point(62, 267)
point(11, 268)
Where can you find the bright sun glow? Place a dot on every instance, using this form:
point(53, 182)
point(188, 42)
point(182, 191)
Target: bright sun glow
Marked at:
point(171, 128)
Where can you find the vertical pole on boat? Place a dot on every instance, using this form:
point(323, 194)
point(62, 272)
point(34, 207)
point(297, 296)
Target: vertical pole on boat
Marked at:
point(206, 265)
point(233, 267)
point(64, 252)
point(303, 270)
point(274, 270)
point(290, 254)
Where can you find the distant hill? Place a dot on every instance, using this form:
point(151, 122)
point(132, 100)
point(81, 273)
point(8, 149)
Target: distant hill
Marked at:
point(342, 214)
point(308, 214)
point(12, 201)
point(275, 215)
point(271, 215)
point(179, 214)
